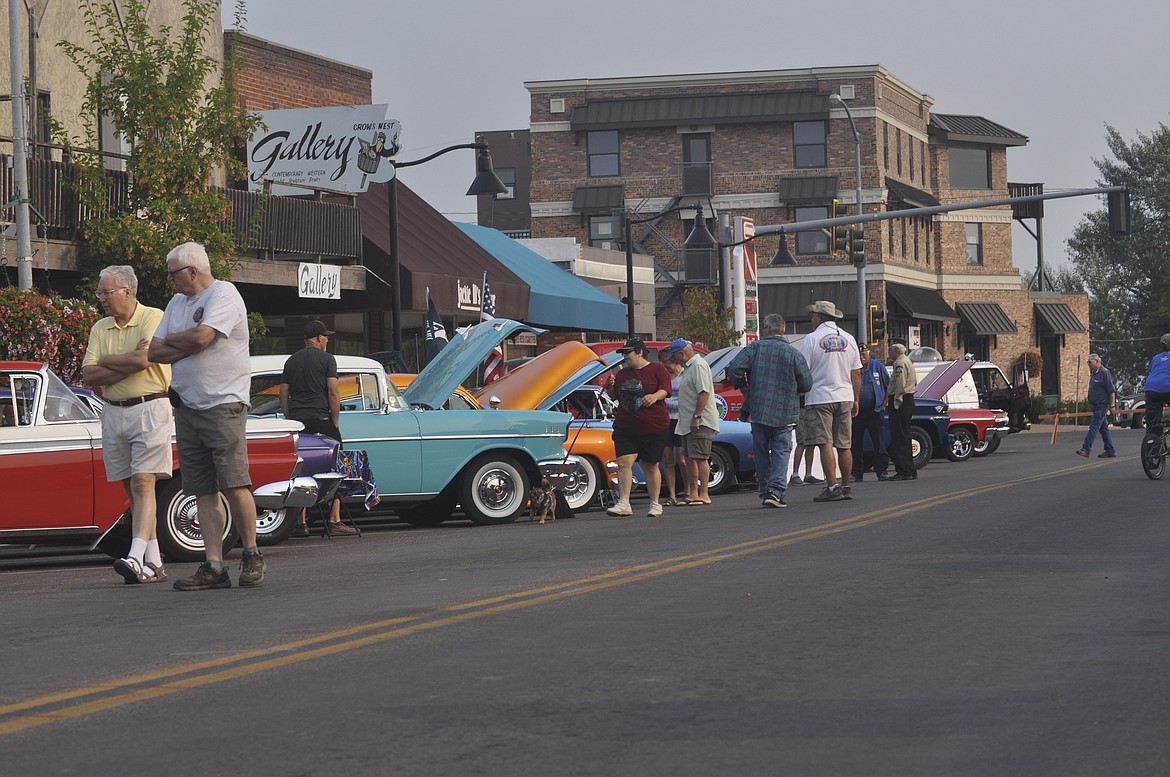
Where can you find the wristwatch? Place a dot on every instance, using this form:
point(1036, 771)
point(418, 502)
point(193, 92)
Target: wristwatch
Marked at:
point(696, 417)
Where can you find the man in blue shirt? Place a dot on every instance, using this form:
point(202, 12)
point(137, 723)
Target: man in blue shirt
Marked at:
point(1103, 400)
point(775, 374)
point(1158, 385)
point(871, 411)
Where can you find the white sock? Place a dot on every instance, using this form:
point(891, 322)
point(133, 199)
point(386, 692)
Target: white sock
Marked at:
point(137, 550)
point(153, 556)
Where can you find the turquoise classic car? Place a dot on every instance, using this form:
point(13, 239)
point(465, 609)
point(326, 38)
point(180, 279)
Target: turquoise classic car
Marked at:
point(427, 463)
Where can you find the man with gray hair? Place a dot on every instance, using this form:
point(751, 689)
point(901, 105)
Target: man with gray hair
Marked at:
point(136, 424)
point(903, 384)
point(1103, 400)
point(204, 335)
point(773, 375)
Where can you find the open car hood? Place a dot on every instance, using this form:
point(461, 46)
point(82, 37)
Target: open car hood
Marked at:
point(942, 379)
point(459, 358)
point(547, 379)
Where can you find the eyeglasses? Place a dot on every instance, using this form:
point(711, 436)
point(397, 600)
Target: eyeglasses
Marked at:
point(172, 273)
point(103, 294)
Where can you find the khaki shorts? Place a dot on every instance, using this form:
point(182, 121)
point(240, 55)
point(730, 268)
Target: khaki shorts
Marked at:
point(697, 444)
point(137, 440)
point(810, 430)
point(837, 421)
point(213, 449)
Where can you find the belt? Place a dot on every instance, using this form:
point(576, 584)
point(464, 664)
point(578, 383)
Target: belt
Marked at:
point(136, 400)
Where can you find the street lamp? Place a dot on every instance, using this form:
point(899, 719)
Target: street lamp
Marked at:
point(862, 301)
point(486, 182)
point(700, 237)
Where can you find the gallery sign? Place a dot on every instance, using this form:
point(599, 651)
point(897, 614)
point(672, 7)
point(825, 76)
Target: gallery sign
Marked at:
point(319, 281)
point(339, 149)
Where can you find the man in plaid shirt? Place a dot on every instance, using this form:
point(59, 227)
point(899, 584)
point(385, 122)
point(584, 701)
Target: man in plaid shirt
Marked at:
point(776, 374)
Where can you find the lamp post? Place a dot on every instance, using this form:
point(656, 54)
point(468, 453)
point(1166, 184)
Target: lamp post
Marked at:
point(700, 237)
point(486, 182)
point(862, 301)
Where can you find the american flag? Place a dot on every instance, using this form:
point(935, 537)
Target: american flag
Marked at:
point(493, 366)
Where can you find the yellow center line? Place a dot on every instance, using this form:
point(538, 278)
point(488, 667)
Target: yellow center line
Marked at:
point(121, 692)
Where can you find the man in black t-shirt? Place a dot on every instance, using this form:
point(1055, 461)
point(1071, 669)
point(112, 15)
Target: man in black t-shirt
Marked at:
point(309, 394)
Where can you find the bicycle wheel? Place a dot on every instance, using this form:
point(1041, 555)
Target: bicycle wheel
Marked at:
point(1153, 457)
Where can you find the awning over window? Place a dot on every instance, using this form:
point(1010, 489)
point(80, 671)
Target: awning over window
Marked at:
point(597, 199)
point(700, 109)
point(921, 303)
point(791, 299)
point(1057, 317)
point(984, 318)
point(812, 189)
point(915, 198)
point(556, 298)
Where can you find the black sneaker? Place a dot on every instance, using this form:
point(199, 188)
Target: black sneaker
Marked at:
point(1107, 455)
point(813, 480)
point(252, 568)
point(847, 492)
point(830, 495)
point(774, 500)
point(205, 577)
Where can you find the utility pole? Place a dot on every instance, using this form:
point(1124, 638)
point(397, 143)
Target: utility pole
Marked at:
point(20, 199)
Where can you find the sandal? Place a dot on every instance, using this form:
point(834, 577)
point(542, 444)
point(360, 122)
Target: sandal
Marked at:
point(693, 502)
point(669, 503)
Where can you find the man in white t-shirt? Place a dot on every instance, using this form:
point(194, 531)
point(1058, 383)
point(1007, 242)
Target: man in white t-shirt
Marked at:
point(203, 335)
point(835, 364)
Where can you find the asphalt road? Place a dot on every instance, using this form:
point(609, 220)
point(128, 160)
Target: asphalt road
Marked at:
point(1004, 616)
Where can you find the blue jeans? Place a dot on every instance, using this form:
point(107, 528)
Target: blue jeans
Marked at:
point(1099, 422)
point(773, 446)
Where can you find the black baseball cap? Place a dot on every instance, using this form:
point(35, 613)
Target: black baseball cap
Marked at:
point(633, 344)
point(316, 329)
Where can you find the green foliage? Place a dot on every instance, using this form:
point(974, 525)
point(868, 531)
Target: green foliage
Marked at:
point(43, 328)
point(704, 320)
point(1128, 279)
point(182, 117)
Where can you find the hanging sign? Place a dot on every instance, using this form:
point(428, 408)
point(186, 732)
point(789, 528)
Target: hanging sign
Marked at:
point(319, 281)
point(336, 149)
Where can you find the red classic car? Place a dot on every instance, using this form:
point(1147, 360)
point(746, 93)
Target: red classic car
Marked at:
point(55, 488)
point(976, 430)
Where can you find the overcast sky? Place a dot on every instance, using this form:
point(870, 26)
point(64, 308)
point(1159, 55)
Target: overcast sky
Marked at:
point(1056, 72)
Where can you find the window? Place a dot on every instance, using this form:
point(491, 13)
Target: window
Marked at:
point(898, 149)
point(910, 148)
point(808, 143)
point(697, 177)
point(974, 245)
point(885, 146)
point(812, 242)
point(507, 176)
point(602, 148)
point(923, 144)
point(601, 232)
point(970, 168)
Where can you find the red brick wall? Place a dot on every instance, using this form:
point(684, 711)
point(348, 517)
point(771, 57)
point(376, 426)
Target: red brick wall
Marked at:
point(277, 77)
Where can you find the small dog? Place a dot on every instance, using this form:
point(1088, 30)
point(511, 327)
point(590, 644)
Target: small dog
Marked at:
point(543, 501)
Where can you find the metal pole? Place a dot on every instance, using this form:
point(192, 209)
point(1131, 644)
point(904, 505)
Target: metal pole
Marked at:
point(629, 276)
point(395, 264)
point(19, 157)
point(862, 299)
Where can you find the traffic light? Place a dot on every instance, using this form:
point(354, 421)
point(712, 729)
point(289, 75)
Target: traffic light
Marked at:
point(857, 245)
point(840, 233)
point(877, 325)
point(1118, 203)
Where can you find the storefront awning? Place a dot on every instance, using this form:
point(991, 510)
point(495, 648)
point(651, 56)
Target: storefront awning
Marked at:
point(597, 199)
point(435, 254)
point(1057, 317)
point(791, 299)
point(984, 318)
point(921, 303)
point(556, 297)
point(820, 190)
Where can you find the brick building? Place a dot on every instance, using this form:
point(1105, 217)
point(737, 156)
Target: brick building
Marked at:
point(772, 146)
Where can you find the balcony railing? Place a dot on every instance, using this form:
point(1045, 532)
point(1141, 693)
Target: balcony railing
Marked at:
point(270, 226)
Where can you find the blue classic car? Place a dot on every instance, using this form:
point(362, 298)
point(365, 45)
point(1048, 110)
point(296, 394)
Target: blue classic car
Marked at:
point(426, 463)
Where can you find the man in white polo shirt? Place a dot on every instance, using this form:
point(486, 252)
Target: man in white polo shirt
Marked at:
point(835, 364)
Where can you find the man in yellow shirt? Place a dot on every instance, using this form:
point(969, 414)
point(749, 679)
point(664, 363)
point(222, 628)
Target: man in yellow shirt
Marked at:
point(137, 422)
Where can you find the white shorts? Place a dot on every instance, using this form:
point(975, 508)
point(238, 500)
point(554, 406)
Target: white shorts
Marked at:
point(137, 440)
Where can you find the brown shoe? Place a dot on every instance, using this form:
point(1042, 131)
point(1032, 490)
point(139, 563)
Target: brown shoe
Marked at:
point(301, 529)
point(1084, 454)
point(342, 529)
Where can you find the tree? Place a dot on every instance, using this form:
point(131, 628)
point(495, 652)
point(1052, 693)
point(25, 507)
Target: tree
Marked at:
point(1128, 279)
point(705, 320)
point(182, 117)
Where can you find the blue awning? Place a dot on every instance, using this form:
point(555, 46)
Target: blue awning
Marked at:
point(556, 297)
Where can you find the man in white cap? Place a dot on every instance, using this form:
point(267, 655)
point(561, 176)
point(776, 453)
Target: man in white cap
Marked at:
point(835, 364)
point(698, 418)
